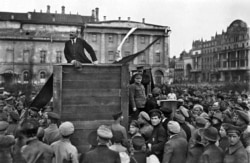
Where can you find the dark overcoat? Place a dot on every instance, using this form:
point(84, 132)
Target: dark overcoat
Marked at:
point(212, 154)
point(175, 150)
point(236, 154)
point(101, 154)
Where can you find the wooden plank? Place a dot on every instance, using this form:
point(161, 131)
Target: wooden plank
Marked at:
point(73, 93)
point(110, 100)
point(125, 95)
point(57, 89)
point(80, 109)
point(94, 84)
point(90, 125)
point(86, 117)
point(91, 76)
point(91, 69)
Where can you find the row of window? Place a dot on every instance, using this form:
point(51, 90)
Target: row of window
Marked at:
point(26, 56)
point(141, 59)
point(111, 39)
point(25, 76)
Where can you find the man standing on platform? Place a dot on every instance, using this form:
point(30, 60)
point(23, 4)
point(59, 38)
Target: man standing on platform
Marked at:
point(74, 51)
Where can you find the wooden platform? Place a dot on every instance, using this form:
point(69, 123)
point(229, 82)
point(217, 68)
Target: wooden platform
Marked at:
point(90, 96)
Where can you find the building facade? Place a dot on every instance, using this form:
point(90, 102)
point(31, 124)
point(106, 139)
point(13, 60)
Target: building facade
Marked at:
point(106, 36)
point(31, 43)
point(223, 58)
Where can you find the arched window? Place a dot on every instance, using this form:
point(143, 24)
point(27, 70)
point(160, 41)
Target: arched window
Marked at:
point(25, 77)
point(42, 77)
point(158, 77)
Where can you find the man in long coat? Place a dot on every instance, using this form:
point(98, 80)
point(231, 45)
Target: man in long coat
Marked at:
point(175, 149)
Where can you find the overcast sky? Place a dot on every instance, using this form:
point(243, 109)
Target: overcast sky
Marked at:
point(188, 19)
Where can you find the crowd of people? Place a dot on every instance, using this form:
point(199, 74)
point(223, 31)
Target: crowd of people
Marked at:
point(204, 125)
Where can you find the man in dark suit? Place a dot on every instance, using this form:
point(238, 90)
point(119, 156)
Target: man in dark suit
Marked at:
point(175, 149)
point(74, 51)
point(102, 154)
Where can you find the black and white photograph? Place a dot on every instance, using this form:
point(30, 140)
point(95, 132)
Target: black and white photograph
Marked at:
point(125, 81)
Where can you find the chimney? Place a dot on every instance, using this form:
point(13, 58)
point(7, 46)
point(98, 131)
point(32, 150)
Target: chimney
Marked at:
point(128, 18)
point(41, 11)
point(97, 13)
point(34, 10)
point(48, 9)
point(104, 18)
point(63, 9)
point(119, 18)
point(93, 14)
point(143, 20)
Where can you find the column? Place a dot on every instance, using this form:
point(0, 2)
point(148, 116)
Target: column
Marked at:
point(102, 51)
point(135, 49)
point(151, 52)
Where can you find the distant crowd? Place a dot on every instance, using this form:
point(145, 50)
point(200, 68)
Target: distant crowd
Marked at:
point(179, 124)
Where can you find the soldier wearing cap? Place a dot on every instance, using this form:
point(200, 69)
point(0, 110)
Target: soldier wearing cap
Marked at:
point(34, 150)
point(146, 128)
point(117, 127)
point(63, 149)
point(175, 149)
point(236, 153)
point(102, 153)
point(137, 97)
point(6, 143)
point(159, 136)
point(134, 129)
point(139, 155)
point(211, 153)
point(13, 119)
point(52, 133)
point(74, 51)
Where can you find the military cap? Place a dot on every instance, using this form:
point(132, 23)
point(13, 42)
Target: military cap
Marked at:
point(210, 133)
point(117, 115)
point(179, 118)
point(174, 127)
point(230, 128)
point(135, 124)
point(14, 116)
point(52, 115)
point(92, 138)
point(66, 128)
point(200, 121)
point(138, 142)
point(155, 112)
point(198, 106)
point(180, 100)
point(29, 126)
point(137, 75)
point(104, 132)
point(144, 115)
point(243, 115)
point(3, 125)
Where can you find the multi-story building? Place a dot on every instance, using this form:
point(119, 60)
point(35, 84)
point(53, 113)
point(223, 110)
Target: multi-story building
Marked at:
point(223, 58)
point(30, 43)
point(183, 66)
point(105, 37)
